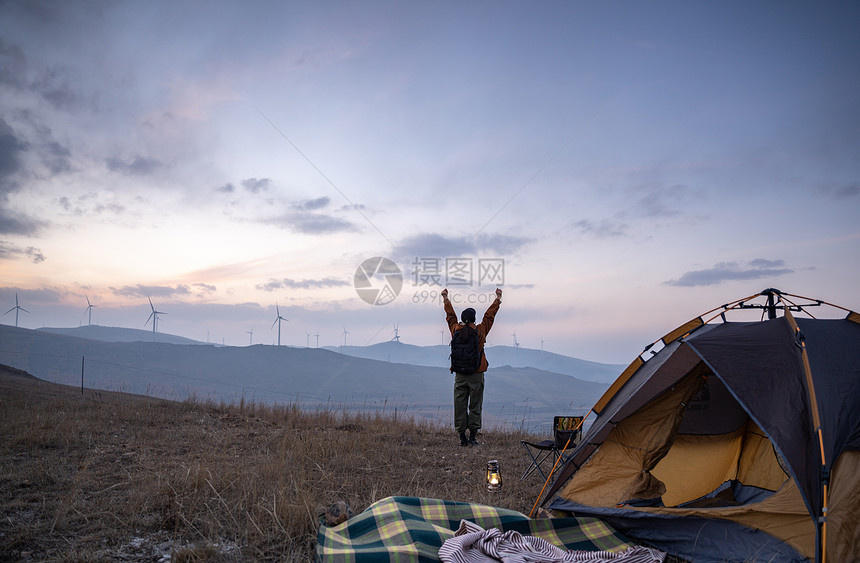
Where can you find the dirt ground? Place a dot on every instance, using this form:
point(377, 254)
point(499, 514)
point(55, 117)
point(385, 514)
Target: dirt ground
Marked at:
point(106, 476)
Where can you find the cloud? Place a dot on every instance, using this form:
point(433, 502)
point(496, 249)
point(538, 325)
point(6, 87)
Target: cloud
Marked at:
point(17, 224)
point(11, 150)
point(288, 283)
point(205, 287)
point(53, 86)
point(10, 251)
point(227, 188)
point(311, 223)
point(765, 263)
point(602, 230)
point(111, 207)
point(304, 218)
point(14, 66)
point(312, 204)
point(83, 205)
point(151, 290)
point(138, 166)
point(56, 157)
point(844, 191)
point(255, 186)
point(442, 246)
point(663, 201)
point(14, 148)
point(732, 271)
point(43, 296)
point(34, 254)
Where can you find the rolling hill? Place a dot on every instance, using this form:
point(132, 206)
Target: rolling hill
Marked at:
point(309, 377)
point(117, 334)
point(437, 356)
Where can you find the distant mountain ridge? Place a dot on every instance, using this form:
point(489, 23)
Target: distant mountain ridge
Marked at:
point(391, 351)
point(498, 356)
point(308, 377)
point(118, 334)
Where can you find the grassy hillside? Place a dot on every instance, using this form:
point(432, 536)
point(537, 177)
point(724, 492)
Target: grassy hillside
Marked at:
point(111, 476)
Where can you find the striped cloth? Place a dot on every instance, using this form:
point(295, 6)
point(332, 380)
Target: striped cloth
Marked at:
point(411, 529)
point(473, 544)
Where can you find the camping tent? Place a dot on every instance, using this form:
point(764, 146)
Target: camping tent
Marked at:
point(737, 441)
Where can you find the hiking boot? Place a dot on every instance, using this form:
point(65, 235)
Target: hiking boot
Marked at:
point(463, 440)
point(473, 438)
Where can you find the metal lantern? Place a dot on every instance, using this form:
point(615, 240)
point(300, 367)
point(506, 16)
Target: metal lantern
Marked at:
point(494, 476)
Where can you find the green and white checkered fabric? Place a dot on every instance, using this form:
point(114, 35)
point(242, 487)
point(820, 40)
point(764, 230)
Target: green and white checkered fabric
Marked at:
point(410, 529)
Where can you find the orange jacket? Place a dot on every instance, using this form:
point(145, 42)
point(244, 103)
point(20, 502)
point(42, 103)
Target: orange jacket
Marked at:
point(483, 327)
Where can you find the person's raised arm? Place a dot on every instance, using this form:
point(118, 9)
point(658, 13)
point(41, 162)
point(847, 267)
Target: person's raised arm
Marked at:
point(490, 314)
point(450, 315)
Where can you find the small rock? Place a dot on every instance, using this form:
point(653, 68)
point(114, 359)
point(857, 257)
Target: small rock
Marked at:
point(335, 514)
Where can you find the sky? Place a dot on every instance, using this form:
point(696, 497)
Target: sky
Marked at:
point(617, 168)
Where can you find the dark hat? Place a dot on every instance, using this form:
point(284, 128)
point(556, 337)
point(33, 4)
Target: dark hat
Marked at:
point(468, 315)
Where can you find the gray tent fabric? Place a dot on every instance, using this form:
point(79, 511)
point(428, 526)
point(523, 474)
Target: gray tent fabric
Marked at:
point(703, 540)
point(751, 372)
point(758, 363)
point(755, 361)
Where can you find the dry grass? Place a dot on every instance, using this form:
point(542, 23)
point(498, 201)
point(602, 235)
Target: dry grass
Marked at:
point(108, 476)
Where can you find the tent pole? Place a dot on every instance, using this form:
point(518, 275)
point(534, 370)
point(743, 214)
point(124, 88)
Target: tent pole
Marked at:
point(771, 306)
point(824, 476)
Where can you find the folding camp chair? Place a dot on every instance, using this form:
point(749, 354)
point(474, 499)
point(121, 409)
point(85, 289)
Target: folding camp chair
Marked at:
point(564, 428)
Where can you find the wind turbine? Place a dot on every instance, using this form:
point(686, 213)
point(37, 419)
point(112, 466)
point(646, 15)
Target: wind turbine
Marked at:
point(89, 311)
point(16, 308)
point(278, 320)
point(251, 337)
point(517, 349)
point(154, 317)
point(308, 344)
point(396, 333)
point(318, 337)
point(345, 332)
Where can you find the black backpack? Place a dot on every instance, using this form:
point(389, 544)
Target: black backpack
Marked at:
point(465, 350)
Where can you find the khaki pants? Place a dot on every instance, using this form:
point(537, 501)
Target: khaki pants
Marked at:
point(468, 401)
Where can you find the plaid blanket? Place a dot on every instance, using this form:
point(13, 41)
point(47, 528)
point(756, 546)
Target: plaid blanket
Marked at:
point(410, 529)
